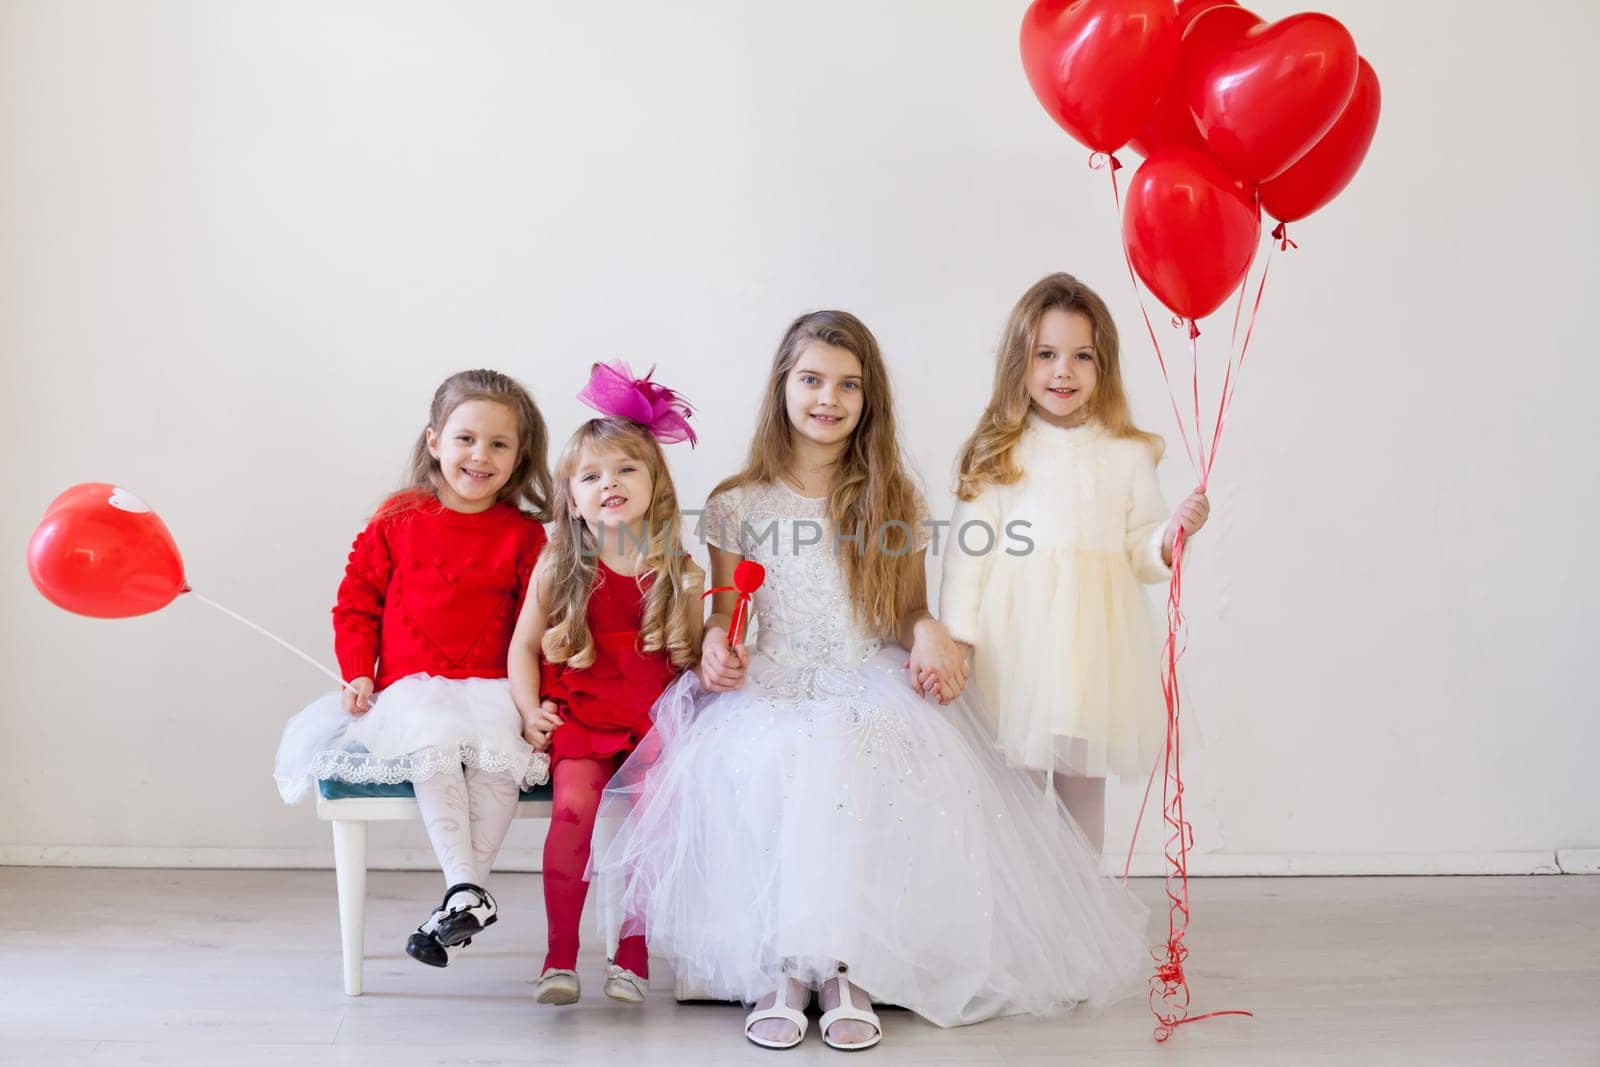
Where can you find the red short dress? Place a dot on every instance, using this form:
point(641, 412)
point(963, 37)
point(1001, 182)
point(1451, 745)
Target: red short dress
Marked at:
point(605, 707)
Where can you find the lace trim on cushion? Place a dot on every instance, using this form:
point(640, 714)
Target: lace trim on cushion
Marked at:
point(368, 768)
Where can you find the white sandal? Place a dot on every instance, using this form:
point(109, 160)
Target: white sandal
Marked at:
point(847, 1011)
point(779, 1010)
point(557, 986)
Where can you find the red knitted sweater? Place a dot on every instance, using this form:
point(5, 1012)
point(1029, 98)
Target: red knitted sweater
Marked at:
point(434, 591)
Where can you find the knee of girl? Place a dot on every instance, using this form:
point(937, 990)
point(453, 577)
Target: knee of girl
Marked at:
point(576, 803)
point(579, 814)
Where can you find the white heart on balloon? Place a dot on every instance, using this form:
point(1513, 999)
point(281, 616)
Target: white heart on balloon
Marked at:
point(126, 501)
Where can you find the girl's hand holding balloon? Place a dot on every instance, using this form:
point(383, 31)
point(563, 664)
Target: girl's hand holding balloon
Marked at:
point(722, 667)
point(1191, 515)
point(356, 696)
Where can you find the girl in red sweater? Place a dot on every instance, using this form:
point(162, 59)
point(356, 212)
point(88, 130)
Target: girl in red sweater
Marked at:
point(616, 613)
point(422, 625)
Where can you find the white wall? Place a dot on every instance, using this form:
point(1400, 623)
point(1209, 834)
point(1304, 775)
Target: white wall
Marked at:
point(240, 243)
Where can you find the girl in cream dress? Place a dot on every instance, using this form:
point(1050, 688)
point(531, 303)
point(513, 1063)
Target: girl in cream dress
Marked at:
point(1058, 525)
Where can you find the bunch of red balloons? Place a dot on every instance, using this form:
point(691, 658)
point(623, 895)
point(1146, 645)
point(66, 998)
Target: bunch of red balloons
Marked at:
point(1234, 115)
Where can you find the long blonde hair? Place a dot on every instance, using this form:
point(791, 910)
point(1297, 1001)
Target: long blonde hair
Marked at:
point(870, 489)
point(529, 485)
point(565, 575)
point(987, 457)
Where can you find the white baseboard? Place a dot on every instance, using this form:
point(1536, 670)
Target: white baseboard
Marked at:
point(306, 859)
point(1145, 865)
point(1578, 860)
point(1317, 864)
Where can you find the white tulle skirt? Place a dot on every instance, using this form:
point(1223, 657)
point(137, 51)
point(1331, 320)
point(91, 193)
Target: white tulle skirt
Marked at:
point(819, 816)
point(415, 727)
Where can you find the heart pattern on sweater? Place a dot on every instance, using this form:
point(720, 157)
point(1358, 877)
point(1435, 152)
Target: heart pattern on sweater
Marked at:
point(435, 590)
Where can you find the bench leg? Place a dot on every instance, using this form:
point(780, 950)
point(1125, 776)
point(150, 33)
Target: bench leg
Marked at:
point(350, 870)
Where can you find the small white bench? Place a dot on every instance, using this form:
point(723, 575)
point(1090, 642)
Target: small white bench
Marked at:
point(349, 816)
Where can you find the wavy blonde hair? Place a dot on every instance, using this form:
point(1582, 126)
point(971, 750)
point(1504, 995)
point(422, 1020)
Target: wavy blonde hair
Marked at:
point(529, 485)
point(987, 457)
point(870, 485)
point(566, 572)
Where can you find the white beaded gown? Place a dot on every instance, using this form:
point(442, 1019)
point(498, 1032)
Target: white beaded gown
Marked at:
point(825, 813)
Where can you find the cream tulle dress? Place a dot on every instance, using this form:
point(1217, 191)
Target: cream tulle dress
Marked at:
point(1067, 650)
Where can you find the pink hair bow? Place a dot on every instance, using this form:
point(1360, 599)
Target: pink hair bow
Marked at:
point(614, 391)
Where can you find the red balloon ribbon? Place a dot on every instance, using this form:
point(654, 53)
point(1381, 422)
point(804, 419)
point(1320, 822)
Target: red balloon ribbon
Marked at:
point(747, 578)
point(1100, 160)
point(1169, 995)
point(1169, 988)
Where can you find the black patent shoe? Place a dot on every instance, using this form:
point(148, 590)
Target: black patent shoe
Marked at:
point(460, 924)
point(424, 947)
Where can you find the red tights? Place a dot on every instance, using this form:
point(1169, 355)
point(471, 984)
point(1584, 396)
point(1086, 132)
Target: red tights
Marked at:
point(578, 785)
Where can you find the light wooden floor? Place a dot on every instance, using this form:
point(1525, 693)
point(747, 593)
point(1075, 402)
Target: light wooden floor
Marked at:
point(242, 967)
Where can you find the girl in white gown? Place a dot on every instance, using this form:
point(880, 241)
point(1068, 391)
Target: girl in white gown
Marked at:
point(825, 812)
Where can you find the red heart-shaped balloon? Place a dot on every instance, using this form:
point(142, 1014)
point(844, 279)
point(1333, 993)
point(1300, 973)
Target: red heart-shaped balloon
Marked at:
point(1190, 230)
point(1266, 98)
point(1098, 66)
point(1322, 173)
point(100, 551)
point(1204, 29)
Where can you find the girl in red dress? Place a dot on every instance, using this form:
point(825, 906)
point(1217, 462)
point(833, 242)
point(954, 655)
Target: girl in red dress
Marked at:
point(614, 616)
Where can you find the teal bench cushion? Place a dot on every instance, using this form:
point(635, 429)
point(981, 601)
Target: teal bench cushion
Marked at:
point(336, 790)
